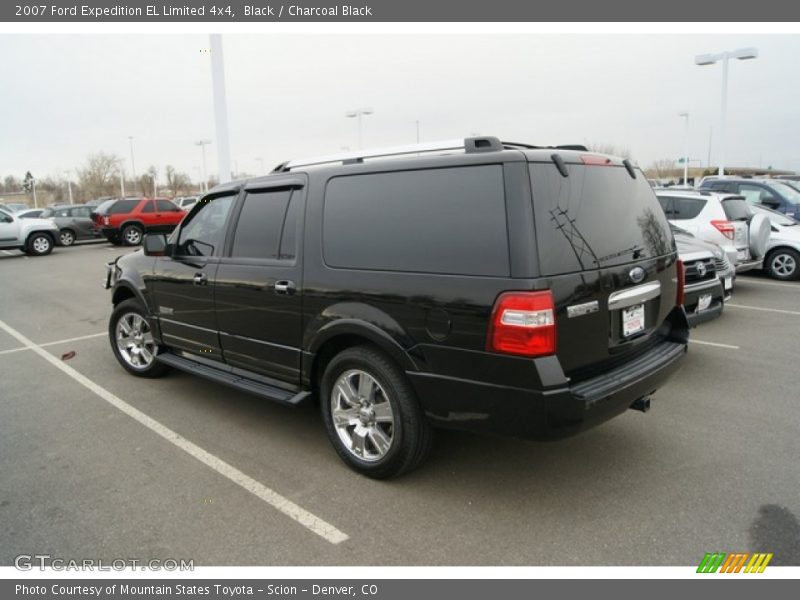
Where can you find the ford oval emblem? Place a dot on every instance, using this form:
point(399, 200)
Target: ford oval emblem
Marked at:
point(637, 274)
point(701, 270)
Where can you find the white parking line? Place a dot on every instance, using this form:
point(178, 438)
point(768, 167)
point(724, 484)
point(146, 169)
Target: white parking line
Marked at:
point(308, 520)
point(715, 344)
point(747, 280)
point(774, 310)
point(75, 339)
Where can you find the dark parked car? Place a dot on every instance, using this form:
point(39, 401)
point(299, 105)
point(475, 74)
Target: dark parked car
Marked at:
point(704, 292)
point(773, 194)
point(493, 287)
point(74, 223)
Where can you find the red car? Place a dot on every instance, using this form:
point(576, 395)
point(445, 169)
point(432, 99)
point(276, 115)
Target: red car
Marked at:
point(126, 220)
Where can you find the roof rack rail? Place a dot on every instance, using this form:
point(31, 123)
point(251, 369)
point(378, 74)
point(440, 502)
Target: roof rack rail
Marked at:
point(469, 145)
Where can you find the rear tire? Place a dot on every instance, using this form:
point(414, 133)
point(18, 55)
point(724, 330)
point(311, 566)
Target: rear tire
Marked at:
point(38, 244)
point(372, 415)
point(66, 237)
point(132, 340)
point(132, 235)
point(783, 264)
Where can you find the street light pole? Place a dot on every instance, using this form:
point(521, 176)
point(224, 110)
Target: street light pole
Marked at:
point(685, 115)
point(133, 164)
point(69, 186)
point(203, 144)
point(724, 57)
point(359, 113)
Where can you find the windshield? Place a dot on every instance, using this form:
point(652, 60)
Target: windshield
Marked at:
point(787, 191)
point(775, 217)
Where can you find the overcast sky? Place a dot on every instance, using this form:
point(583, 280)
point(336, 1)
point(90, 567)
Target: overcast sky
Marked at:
point(66, 96)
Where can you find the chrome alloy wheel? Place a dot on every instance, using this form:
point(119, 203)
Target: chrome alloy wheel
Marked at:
point(41, 244)
point(784, 265)
point(133, 236)
point(362, 415)
point(135, 340)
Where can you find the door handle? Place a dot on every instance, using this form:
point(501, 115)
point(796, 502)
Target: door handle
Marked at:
point(284, 287)
point(200, 279)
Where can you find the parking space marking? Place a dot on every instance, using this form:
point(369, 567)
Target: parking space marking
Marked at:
point(773, 283)
point(46, 344)
point(715, 344)
point(308, 520)
point(773, 310)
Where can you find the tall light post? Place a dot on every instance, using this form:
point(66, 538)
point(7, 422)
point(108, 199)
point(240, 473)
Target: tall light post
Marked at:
point(133, 164)
point(359, 113)
point(417, 122)
point(203, 144)
point(710, 59)
point(220, 108)
point(69, 186)
point(685, 115)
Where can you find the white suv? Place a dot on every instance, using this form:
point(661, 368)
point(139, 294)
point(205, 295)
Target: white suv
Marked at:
point(33, 236)
point(722, 219)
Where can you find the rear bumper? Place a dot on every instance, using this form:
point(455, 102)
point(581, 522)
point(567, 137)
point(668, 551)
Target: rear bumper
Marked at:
point(551, 413)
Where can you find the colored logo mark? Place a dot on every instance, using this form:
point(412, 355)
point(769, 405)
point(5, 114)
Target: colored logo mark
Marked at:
point(734, 562)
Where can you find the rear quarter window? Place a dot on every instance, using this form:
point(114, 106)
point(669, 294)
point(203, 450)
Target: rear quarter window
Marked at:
point(449, 221)
point(597, 216)
point(122, 207)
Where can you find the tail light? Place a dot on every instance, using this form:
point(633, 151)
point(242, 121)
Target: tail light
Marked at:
point(680, 294)
point(523, 323)
point(105, 221)
point(725, 228)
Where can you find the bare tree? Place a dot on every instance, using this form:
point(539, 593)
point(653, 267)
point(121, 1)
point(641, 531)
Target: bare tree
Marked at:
point(178, 183)
point(612, 149)
point(100, 175)
point(662, 169)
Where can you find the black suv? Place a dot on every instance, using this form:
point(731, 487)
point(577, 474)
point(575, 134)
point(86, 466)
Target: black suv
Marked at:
point(483, 286)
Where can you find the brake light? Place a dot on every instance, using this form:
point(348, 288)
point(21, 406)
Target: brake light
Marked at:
point(725, 228)
point(593, 159)
point(105, 221)
point(681, 272)
point(523, 323)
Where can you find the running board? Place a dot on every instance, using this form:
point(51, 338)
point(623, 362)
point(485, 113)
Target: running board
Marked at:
point(257, 388)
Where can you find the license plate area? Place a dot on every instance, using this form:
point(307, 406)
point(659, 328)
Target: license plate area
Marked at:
point(704, 302)
point(728, 283)
point(633, 320)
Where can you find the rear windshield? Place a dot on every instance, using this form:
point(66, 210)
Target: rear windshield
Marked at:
point(736, 209)
point(121, 206)
point(596, 217)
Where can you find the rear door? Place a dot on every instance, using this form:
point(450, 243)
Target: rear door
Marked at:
point(81, 221)
point(607, 253)
point(259, 282)
point(168, 214)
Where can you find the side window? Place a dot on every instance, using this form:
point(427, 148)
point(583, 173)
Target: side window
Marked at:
point(149, 207)
point(258, 232)
point(752, 193)
point(166, 206)
point(203, 231)
point(81, 211)
point(450, 220)
point(666, 205)
point(686, 208)
point(61, 212)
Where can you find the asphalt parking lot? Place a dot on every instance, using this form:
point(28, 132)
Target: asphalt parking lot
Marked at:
point(712, 467)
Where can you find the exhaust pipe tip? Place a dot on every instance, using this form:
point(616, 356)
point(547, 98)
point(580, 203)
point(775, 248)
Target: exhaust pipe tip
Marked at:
point(642, 404)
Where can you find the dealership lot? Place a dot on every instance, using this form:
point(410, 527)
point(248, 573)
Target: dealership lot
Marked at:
point(713, 466)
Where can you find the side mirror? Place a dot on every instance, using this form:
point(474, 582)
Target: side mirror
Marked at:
point(155, 244)
point(770, 202)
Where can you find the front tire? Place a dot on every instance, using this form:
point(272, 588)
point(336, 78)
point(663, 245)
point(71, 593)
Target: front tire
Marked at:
point(372, 415)
point(783, 264)
point(132, 340)
point(39, 244)
point(132, 235)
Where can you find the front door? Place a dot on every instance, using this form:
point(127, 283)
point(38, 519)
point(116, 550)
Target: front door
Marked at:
point(183, 284)
point(9, 229)
point(259, 283)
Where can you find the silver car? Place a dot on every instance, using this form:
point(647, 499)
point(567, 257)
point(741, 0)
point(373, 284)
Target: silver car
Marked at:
point(74, 223)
